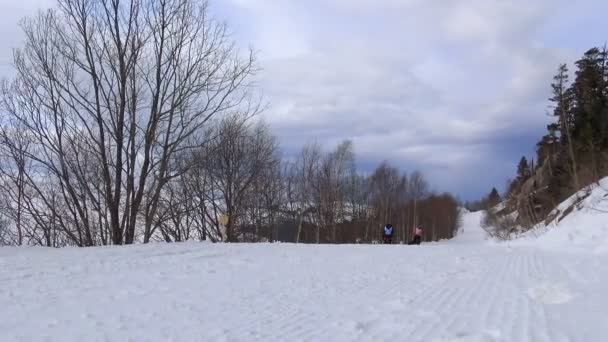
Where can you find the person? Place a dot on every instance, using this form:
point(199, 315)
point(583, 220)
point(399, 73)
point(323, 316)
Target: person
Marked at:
point(388, 234)
point(417, 236)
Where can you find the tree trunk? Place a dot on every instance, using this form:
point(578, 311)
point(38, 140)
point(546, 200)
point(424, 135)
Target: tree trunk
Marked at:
point(300, 222)
point(570, 145)
point(333, 232)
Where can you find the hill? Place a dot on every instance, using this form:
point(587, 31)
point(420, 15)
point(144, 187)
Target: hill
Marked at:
point(579, 223)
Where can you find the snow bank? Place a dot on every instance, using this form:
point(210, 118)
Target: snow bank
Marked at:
point(579, 224)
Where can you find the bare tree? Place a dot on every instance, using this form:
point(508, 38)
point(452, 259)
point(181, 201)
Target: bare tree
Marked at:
point(388, 190)
point(305, 171)
point(206, 199)
point(15, 145)
point(5, 240)
point(238, 157)
point(272, 196)
point(418, 187)
point(331, 183)
point(264, 199)
point(359, 203)
point(110, 92)
point(178, 218)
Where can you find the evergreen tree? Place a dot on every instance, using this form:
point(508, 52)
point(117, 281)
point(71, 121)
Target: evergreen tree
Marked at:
point(548, 146)
point(574, 152)
point(493, 198)
point(523, 170)
point(563, 100)
point(563, 97)
point(590, 108)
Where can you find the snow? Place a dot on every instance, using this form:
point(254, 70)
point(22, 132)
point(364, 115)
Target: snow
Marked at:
point(470, 230)
point(465, 289)
point(581, 224)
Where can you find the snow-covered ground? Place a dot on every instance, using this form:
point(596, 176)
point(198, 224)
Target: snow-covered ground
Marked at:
point(459, 290)
point(470, 230)
point(580, 224)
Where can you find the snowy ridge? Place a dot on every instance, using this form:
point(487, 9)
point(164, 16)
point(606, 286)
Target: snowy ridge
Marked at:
point(580, 223)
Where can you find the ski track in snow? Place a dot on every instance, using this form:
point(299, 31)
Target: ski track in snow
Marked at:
point(461, 290)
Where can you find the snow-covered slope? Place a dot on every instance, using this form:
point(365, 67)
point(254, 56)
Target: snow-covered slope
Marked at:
point(580, 223)
point(470, 230)
point(461, 290)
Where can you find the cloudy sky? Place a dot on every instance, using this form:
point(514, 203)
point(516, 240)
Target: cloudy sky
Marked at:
point(456, 89)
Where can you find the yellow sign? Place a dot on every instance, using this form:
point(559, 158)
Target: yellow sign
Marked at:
point(223, 219)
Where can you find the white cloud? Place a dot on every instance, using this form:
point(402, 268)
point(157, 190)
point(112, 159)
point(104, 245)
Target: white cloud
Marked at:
point(439, 85)
point(435, 84)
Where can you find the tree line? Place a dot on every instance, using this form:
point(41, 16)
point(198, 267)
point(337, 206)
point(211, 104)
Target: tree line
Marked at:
point(574, 152)
point(134, 121)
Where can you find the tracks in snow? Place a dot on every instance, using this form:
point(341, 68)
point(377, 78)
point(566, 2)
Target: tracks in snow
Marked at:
point(460, 292)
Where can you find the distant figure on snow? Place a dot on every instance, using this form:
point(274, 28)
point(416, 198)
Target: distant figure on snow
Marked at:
point(417, 236)
point(388, 234)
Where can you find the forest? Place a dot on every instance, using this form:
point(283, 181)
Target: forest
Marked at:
point(573, 153)
point(143, 123)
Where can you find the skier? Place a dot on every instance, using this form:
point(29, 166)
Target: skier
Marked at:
point(417, 236)
point(388, 234)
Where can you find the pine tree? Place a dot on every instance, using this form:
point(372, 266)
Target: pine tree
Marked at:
point(493, 198)
point(590, 107)
point(547, 147)
point(523, 170)
point(563, 103)
point(574, 152)
point(532, 166)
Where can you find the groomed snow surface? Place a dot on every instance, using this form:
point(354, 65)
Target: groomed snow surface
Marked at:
point(460, 290)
